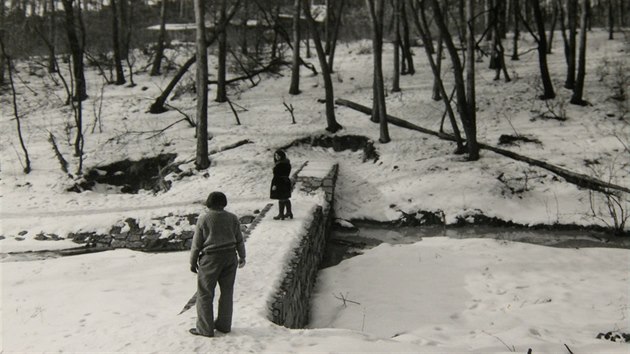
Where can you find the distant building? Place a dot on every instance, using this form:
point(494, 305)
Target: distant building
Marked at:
point(185, 32)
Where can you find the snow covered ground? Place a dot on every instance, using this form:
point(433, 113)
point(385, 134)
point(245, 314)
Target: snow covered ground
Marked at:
point(435, 296)
point(438, 295)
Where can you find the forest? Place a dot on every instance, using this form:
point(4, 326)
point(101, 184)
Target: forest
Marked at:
point(70, 46)
point(482, 152)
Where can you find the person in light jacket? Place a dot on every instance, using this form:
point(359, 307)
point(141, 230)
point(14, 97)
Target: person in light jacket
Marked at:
point(213, 256)
point(281, 185)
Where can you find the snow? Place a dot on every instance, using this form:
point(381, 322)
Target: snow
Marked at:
point(437, 295)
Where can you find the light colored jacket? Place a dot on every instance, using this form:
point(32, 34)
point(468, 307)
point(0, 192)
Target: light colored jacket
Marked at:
point(216, 230)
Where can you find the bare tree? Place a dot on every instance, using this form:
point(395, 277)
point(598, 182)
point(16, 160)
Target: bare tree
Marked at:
point(541, 39)
point(516, 12)
point(471, 100)
point(294, 89)
point(437, 79)
point(498, 52)
point(52, 29)
point(27, 161)
point(611, 20)
point(120, 74)
point(407, 63)
point(76, 49)
point(332, 125)
point(421, 27)
point(244, 27)
point(578, 89)
point(222, 55)
point(125, 27)
point(158, 106)
point(464, 89)
point(2, 58)
point(571, 59)
point(552, 30)
point(159, 48)
point(202, 160)
point(335, 34)
point(397, 40)
point(376, 9)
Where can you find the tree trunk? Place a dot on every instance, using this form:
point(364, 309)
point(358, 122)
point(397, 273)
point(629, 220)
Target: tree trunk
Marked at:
point(487, 18)
point(516, 9)
point(2, 57)
point(158, 105)
point(327, 28)
point(548, 92)
point(332, 125)
point(274, 44)
point(563, 31)
point(493, 62)
point(458, 74)
point(201, 161)
point(76, 50)
point(294, 89)
point(376, 9)
point(335, 34)
point(578, 90)
point(406, 42)
point(572, 21)
point(129, 58)
point(52, 62)
point(396, 78)
point(554, 19)
point(120, 74)
point(427, 30)
point(245, 28)
point(222, 55)
point(159, 48)
point(471, 100)
point(125, 28)
point(611, 20)
point(498, 50)
point(461, 11)
point(438, 77)
point(5, 56)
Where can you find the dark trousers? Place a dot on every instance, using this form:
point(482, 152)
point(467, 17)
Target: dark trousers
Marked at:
point(219, 267)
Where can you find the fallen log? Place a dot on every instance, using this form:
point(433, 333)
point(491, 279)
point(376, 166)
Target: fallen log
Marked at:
point(578, 179)
point(158, 105)
point(248, 76)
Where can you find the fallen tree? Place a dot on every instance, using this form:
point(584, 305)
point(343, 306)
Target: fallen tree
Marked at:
point(271, 67)
point(578, 179)
point(158, 105)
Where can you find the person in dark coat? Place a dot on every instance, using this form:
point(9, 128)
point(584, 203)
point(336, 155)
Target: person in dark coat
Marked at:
point(281, 185)
point(213, 256)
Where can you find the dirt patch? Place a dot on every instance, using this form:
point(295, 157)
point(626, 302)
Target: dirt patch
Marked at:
point(131, 176)
point(341, 143)
point(506, 139)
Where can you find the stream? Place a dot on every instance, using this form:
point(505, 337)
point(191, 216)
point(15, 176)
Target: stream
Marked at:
point(345, 243)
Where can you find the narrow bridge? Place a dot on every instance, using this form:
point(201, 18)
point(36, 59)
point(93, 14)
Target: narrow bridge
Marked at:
point(290, 250)
point(280, 275)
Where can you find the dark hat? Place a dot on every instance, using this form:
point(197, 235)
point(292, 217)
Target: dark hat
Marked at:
point(281, 154)
point(216, 201)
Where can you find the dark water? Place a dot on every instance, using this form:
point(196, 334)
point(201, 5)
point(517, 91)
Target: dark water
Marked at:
point(344, 244)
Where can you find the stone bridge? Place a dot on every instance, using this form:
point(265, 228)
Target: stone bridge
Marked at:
point(290, 250)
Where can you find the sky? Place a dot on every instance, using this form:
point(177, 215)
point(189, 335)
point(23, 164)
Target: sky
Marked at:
point(436, 295)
